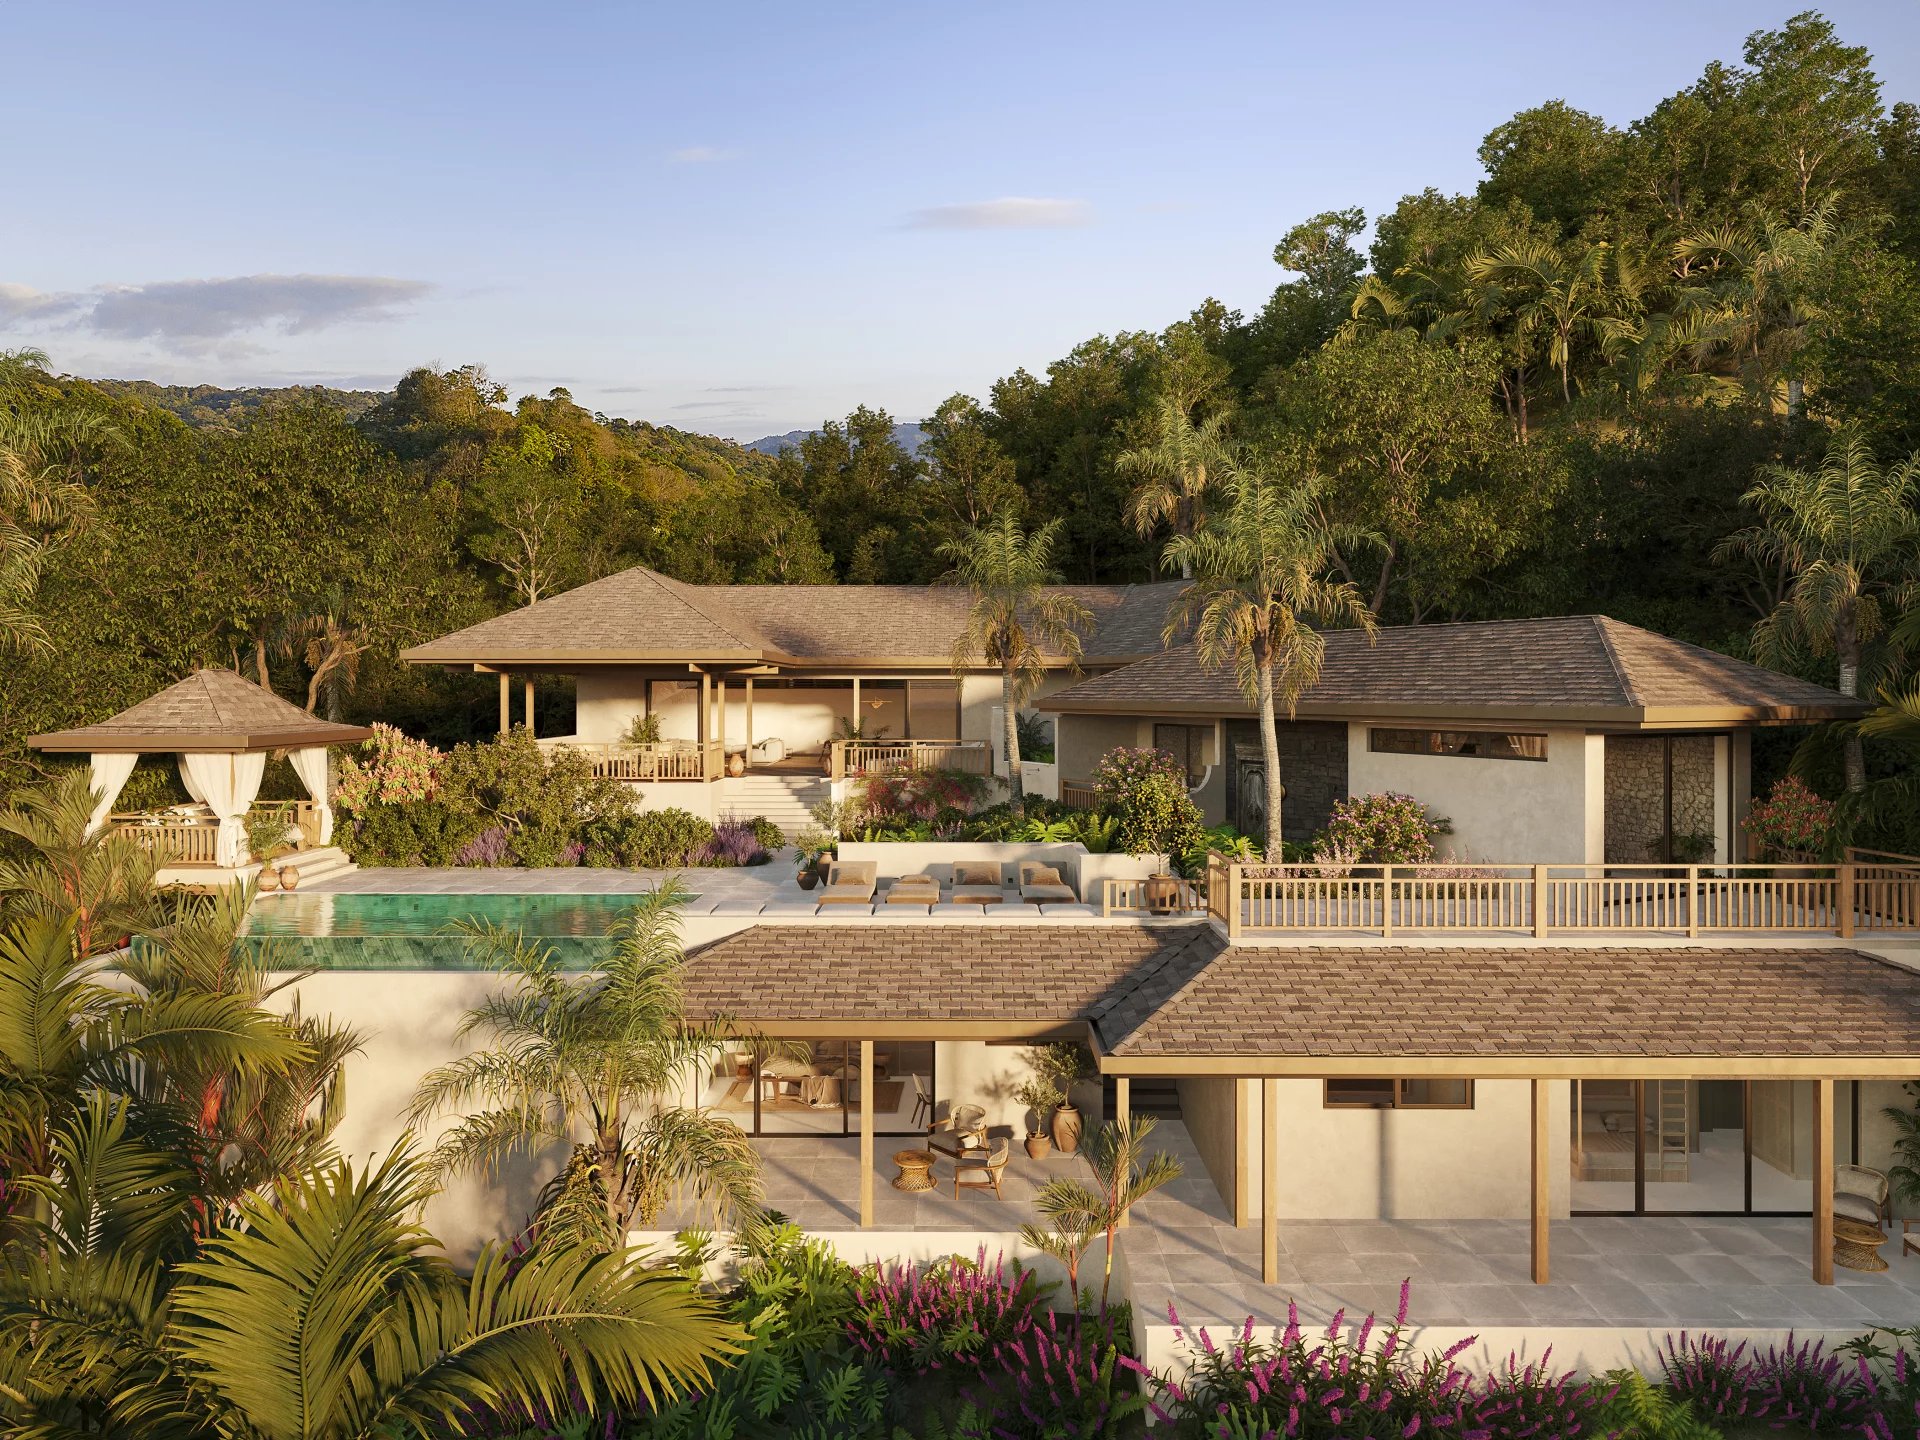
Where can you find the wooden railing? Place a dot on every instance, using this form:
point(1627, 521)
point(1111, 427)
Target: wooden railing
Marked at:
point(667, 760)
point(1148, 897)
point(1864, 892)
point(1077, 794)
point(872, 757)
point(301, 816)
point(183, 841)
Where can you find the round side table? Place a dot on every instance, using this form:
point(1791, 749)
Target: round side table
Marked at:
point(916, 1170)
point(1856, 1244)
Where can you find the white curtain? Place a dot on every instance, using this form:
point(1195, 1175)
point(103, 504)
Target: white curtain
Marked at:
point(226, 785)
point(110, 773)
point(310, 765)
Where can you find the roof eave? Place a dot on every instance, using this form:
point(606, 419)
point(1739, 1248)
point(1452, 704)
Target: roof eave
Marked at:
point(72, 742)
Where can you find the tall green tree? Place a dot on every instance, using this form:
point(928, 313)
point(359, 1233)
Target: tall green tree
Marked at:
point(1017, 617)
point(1260, 587)
point(1844, 537)
point(43, 502)
point(1172, 474)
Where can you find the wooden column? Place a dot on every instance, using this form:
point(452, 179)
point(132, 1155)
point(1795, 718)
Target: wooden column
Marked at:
point(1542, 1183)
point(1270, 1181)
point(866, 1134)
point(856, 702)
point(1823, 1182)
point(530, 705)
point(720, 718)
point(506, 702)
point(1123, 1110)
point(703, 718)
point(749, 722)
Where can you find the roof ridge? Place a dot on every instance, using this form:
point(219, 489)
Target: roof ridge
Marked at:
point(711, 608)
point(1601, 624)
point(1163, 960)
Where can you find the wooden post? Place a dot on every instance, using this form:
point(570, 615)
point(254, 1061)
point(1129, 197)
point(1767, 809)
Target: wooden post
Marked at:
point(720, 719)
point(749, 722)
point(1539, 902)
point(1542, 1183)
point(1386, 902)
point(1693, 902)
point(506, 702)
point(856, 704)
point(1270, 1182)
point(1123, 1111)
point(703, 716)
point(1823, 1182)
point(866, 1134)
point(1844, 897)
point(1242, 1147)
point(529, 705)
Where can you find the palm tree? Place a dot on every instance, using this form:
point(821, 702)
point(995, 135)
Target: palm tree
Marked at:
point(1753, 310)
point(330, 642)
point(1016, 618)
point(595, 1056)
point(1844, 535)
point(331, 1316)
point(1547, 290)
point(1121, 1180)
point(1175, 471)
point(1260, 585)
point(99, 878)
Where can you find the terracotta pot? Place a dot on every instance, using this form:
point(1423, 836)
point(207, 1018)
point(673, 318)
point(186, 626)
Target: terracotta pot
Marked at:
point(1066, 1129)
point(269, 879)
point(289, 877)
point(1163, 893)
point(736, 765)
point(1039, 1147)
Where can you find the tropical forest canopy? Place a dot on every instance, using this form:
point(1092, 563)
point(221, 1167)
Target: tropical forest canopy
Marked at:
point(1547, 396)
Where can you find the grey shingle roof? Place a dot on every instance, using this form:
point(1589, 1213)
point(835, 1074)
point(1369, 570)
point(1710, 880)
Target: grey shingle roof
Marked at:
point(1509, 667)
point(638, 614)
point(210, 710)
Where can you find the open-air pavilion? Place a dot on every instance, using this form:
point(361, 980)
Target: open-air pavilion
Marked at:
point(221, 728)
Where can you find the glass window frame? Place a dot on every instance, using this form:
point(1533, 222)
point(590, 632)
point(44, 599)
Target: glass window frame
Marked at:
point(1430, 741)
point(1397, 1100)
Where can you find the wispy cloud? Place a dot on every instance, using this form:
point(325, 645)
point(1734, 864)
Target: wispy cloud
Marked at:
point(701, 154)
point(193, 313)
point(1013, 212)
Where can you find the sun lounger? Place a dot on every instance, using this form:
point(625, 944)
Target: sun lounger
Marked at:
point(976, 882)
point(914, 890)
point(1042, 884)
point(850, 882)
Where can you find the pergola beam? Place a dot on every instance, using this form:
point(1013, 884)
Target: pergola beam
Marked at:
point(866, 1134)
point(1270, 1182)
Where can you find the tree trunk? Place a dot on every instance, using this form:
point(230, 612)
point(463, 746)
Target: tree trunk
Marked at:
point(1010, 717)
point(1847, 643)
point(260, 661)
point(1796, 397)
point(1270, 756)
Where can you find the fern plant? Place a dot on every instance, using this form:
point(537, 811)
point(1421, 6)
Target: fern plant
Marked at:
point(1640, 1410)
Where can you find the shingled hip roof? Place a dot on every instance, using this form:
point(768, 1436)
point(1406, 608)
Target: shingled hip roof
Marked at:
point(1181, 1000)
point(210, 711)
point(1585, 667)
point(638, 615)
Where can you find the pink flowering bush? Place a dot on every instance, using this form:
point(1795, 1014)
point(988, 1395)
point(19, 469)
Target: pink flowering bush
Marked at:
point(1382, 829)
point(1792, 822)
point(1146, 791)
point(1361, 1383)
point(395, 768)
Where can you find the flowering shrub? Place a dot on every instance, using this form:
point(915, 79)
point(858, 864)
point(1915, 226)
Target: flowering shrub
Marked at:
point(907, 795)
point(395, 768)
point(1055, 1378)
point(1792, 821)
point(1890, 1383)
point(948, 1316)
point(1146, 791)
point(646, 839)
point(1789, 1384)
point(733, 842)
point(1383, 829)
point(1344, 1386)
point(487, 848)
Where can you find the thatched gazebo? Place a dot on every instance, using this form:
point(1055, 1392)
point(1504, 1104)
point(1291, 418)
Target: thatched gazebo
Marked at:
point(221, 727)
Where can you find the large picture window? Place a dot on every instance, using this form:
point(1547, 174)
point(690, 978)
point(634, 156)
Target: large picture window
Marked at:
point(1367, 1093)
point(1187, 744)
point(1475, 744)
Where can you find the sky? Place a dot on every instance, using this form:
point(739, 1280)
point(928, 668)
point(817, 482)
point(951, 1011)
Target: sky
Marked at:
point(742, 219)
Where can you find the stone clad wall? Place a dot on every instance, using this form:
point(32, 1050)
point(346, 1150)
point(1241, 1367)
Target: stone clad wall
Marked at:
point(1636, 794)
point(1313, 767)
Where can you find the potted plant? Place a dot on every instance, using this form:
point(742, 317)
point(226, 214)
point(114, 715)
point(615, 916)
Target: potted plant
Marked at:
point(1065, 1065)
point(1039, 1097)
point(1792, 825)
point(815, 845)
point(270, 834)
point(645, 730)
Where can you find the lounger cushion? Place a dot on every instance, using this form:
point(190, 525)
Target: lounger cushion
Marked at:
point(1039, 894)
point(977, 895)
point(853, 872)
point(1032, 875)
point(975, 874)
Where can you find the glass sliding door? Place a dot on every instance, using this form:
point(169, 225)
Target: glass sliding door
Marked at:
point(813, 1088)
point(1700, 1147)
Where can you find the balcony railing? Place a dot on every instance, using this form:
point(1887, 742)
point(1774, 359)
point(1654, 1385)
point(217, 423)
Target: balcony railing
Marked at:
point(193, 838)
point(1866, 892)
point(674, 760)
point(873, 757)
point(1078, 794)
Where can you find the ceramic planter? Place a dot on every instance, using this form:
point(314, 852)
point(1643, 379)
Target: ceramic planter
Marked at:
point(1039, 1147)
point(1066, 1129)
point(289, 877)
point(269, 880)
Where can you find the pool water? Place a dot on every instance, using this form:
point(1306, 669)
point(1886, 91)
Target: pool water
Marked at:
point(416, 932)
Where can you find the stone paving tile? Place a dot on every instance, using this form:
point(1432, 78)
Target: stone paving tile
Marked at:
point(1716, 1270)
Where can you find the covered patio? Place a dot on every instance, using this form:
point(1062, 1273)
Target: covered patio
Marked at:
point(221, 728)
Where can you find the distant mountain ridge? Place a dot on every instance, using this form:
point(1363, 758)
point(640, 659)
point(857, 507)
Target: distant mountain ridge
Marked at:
point(907, 435)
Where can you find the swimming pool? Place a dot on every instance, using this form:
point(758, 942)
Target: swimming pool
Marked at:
point(413, 932)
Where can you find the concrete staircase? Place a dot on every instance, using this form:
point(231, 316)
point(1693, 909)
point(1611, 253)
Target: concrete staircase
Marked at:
point(1146, 1097)
point(786, 800)
point(329, 862)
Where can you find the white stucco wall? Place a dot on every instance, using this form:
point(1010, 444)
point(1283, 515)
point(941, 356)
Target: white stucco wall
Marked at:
point(1409, 1164)
point(1503, 811)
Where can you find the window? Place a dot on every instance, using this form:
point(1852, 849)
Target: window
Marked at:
point(1383, 1094)
point(1188, 745)
point(1480, 744)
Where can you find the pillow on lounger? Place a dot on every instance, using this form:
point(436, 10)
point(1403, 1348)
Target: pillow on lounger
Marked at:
point(1043, 875)
point(988, 875)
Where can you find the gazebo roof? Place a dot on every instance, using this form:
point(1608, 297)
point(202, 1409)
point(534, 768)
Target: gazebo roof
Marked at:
point(211, 711)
